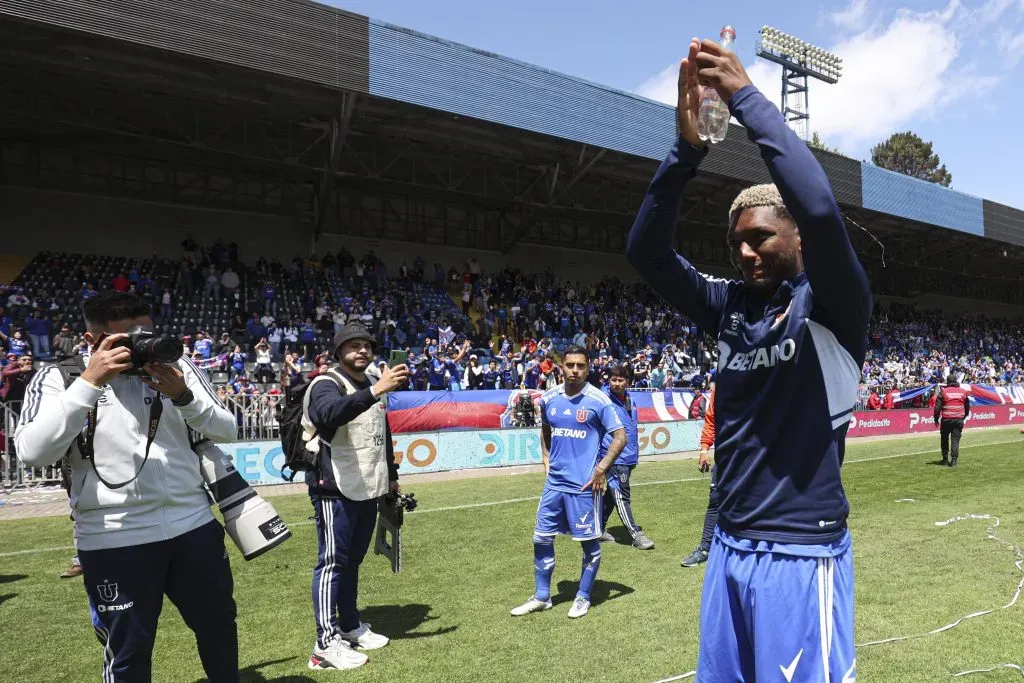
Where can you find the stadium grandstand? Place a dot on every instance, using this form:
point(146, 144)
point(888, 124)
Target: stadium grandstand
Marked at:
point(465, 206)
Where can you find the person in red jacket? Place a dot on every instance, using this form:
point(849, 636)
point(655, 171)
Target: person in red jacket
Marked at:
point(699, 406)
point(890, 399)
point(707, 440)
point(874, 403)
point(952, 406)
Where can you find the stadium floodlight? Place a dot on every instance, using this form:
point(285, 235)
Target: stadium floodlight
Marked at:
point(799, 60)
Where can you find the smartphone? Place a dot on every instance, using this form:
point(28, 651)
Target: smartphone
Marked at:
point(398, 358)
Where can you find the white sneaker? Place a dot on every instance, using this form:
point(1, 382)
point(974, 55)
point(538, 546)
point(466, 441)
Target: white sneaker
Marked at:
point(580, 606)
point(337, 655)
point(531, 605)
point(364, 638)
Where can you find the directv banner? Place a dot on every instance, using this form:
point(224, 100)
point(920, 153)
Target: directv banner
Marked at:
point(259, 462)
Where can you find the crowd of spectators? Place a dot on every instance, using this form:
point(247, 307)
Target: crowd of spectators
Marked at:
point(263, 327)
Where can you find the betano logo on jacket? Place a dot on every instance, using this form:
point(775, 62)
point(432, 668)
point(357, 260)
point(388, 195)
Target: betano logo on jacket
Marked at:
point(764, 357)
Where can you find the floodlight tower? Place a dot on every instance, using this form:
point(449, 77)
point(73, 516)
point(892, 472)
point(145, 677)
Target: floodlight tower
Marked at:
point(799, 60)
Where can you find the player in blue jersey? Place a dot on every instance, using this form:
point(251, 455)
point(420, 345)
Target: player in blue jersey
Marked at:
point(792, 337)
point(574, 420)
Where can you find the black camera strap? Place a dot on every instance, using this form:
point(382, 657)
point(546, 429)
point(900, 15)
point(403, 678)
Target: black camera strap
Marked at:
point(85, 445)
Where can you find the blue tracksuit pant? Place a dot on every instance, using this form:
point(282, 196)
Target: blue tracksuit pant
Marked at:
point(344, 530)
point(126, 588)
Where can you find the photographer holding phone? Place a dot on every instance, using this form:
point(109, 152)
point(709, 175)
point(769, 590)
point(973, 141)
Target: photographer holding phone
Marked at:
point(348, 412)
point(144, 527)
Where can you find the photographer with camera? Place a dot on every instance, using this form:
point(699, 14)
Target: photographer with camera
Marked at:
point(143, 522)
point(355, 469)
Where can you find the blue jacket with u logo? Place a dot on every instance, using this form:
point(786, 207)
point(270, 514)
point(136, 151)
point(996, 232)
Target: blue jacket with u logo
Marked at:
point(630, 454)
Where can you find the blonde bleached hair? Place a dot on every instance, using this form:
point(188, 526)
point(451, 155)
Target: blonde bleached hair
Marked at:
point(758, 195)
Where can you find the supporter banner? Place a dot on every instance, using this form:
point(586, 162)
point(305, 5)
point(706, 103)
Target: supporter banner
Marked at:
point(207, 363)
point(883, 422)
point(259, 462)
point(982, 394)
point(987, 394)
point(424, 411)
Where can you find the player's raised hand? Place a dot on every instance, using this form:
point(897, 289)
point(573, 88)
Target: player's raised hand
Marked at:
point(688, 104)
point(720, 69)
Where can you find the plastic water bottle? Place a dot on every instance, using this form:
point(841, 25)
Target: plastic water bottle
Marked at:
point(713, 122)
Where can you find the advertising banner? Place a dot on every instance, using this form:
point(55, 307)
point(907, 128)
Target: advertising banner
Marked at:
point(886, 422)
point(259, 462)
point(427, 411)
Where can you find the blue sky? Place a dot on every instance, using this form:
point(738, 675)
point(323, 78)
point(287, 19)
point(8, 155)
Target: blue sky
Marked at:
point(951, 71)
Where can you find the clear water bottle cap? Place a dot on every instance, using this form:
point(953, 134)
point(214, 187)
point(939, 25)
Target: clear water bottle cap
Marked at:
point(728, 32)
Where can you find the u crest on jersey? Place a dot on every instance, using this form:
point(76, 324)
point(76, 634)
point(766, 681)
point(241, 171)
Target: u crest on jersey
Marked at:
point(582, 414)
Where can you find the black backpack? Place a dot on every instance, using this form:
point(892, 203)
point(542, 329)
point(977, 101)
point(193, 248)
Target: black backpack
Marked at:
point(289, 420)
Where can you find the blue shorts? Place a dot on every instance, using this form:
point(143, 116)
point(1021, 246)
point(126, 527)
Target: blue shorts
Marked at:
point(764, 613)
point(577, 514)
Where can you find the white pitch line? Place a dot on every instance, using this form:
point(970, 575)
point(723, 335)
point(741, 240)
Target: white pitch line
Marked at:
point(510, 501)
point(680, 677)
point(31, 551)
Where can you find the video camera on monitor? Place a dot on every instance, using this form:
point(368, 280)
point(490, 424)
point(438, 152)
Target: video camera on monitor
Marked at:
point(391, 509)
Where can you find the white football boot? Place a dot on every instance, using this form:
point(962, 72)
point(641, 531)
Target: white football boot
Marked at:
point(531, 605)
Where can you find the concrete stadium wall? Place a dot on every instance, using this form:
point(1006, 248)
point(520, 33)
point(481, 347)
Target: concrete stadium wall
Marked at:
point(38, 220)
point(571, 264)
point(56, 221)
point(948, 304)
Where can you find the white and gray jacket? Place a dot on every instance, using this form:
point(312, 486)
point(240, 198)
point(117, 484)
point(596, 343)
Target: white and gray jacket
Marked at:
point(168, 498)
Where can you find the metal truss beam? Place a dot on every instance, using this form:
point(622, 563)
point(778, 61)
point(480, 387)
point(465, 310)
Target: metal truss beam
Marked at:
point(533, 212)
point(340, 126)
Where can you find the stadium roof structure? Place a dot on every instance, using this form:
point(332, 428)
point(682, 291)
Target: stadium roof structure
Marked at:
point(359, 127)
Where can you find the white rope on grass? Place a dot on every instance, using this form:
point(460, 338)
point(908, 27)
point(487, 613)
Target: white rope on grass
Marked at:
point(1019, 564)
point(1015, 667)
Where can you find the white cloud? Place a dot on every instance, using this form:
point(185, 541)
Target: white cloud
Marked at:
point(663, 86)
point(852, 18)
point(893, 73)
point(1011, 46)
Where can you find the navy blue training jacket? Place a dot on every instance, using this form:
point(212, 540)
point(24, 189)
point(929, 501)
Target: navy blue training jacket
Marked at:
point(785, 390)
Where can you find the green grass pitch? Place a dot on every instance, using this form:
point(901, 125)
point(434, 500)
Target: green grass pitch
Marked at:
point(468, 560)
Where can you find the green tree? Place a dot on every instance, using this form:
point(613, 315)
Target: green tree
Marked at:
point(818, 143)
point(908, 154)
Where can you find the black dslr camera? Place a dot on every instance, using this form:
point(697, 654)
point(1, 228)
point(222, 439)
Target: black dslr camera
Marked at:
point(392, 509)
point(149, 347)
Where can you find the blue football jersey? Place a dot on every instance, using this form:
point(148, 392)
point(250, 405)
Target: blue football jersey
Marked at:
point(578, 424)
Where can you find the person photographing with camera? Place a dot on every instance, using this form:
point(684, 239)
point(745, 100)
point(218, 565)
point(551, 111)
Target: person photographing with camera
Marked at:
point(345, 413)
point(143, 522)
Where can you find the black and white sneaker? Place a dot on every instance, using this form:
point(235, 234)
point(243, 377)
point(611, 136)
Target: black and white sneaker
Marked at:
point(698, 556)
